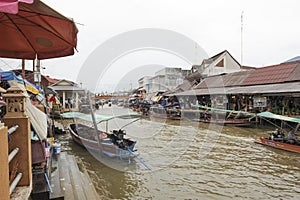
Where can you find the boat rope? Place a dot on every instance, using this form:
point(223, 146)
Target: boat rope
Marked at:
point(129, 123)
point(140, 160)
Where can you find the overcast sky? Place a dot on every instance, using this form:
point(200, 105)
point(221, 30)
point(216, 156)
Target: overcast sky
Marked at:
point(270, 30)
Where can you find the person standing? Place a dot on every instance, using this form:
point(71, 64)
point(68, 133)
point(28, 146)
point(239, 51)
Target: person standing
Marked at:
point(291, 137)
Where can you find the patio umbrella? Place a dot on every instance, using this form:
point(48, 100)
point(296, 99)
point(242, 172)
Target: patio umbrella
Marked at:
point(48, 91)
point(36, 31)
point(11, 6)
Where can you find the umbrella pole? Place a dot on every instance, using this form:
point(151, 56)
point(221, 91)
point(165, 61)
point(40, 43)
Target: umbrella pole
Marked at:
point(23, 68)
point(33, 66)
point(38, 72)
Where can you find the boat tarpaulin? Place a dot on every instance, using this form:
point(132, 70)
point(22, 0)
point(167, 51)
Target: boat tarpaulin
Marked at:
point(99, 118)
point(38, 120)
point(9, 75)
point(280, 117)
point(86, 117)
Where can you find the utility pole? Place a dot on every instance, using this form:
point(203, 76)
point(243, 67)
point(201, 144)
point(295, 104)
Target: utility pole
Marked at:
point(242, 37)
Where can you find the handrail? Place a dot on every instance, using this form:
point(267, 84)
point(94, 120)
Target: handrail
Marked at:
point(12, 129)
point(12, 154)
point(15, 183)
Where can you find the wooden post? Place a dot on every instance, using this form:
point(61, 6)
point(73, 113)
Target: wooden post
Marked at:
point(23, 68)
point(4, 166)
point(77, 100)
point(33, 66)
point(64, 99)
point(15, 100)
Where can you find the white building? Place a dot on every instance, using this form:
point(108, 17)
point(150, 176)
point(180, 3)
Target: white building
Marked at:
point(144, 83)
point(218, 64)
point(167, 79)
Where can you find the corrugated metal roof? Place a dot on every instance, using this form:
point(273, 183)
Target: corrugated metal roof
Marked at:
point(194, 76)
point(211, 82)
point(180, 88)
point(50, 80)
point(293, 87)
point(295, 75)
point(271, 74)
point(297, 58)
point(237, 78)
point(185, 86)
point(232, 79)
point(66, 88)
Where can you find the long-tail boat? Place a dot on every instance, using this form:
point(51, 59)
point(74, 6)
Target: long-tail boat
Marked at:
point(282, 142)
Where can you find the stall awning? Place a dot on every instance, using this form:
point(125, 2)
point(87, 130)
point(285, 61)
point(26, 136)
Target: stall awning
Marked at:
point(30, 87)
point(280, 117)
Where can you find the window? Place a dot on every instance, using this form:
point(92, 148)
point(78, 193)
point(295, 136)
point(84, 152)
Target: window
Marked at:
point(220, 64)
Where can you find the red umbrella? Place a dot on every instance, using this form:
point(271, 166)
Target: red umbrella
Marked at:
point(11, 6)
point(36, 31)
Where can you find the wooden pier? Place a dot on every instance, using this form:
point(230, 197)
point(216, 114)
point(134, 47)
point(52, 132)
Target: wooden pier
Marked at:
point(58, 128)
point(68, 182)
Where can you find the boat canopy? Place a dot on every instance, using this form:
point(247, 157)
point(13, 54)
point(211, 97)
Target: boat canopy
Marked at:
point(99, 118)
point(280, 117)
point(224, 110)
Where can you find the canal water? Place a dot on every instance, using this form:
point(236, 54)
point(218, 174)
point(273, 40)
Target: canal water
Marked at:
point(191, 160)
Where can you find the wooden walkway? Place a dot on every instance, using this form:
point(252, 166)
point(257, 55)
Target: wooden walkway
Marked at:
point(68, 182)
point(58, 127)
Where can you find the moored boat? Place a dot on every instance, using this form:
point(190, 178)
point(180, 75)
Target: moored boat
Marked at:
point(165, 113)
point(224, 117)
point(227, 122)
point(110, 144)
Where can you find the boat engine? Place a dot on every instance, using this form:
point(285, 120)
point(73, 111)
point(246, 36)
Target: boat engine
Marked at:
point(119, 134)
point(120, 138)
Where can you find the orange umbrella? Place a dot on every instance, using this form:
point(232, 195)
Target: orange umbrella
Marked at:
point(36, 31)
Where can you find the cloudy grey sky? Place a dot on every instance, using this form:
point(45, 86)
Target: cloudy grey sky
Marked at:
point(270, 30)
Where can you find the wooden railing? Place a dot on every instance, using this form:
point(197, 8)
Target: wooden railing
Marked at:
point(15, 156)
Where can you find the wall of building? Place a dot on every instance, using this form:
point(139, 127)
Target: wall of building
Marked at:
point(157, 83)
point(229, 66)
point(167, 79)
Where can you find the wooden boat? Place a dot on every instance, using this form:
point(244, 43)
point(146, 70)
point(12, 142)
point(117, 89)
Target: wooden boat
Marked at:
point(110, 144)
point(283, 142)
point(225, 117)
point(227, 122)
point(278, 144)
point(165, 113)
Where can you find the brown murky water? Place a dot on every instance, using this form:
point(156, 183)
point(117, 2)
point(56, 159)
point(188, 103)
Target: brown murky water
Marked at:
point(193, 161)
